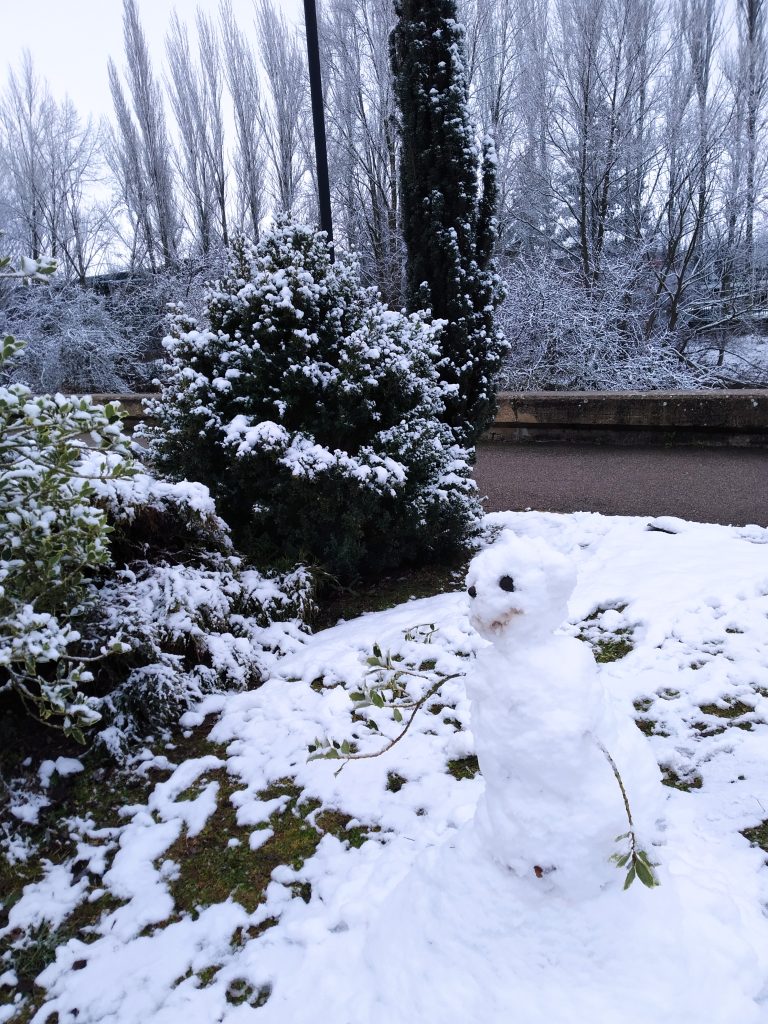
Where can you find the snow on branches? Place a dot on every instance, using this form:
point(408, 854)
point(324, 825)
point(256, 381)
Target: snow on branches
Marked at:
point(312, 411)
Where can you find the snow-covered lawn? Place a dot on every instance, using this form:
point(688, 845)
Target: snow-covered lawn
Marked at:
point(255, 884)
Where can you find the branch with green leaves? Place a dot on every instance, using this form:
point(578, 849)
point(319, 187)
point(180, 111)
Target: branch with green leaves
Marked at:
point(28, 269)
point(634, 859)
point(386, 687)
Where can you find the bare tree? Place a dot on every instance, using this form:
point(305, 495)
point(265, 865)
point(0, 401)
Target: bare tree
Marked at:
point(363, 136)
point(26, 109)
point(496, 38)
point(195, 89)
point(286, 110)
point(141, 146)
point(242, 75)
point(51, 162)
point(753, 63)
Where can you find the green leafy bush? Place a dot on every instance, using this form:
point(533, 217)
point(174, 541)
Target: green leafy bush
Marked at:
point(122, 600)
point(192, 617)
point(53, 536)
point(312, 412)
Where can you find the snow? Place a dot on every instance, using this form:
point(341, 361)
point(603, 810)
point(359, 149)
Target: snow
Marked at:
point(426, 921)
point(62, 766)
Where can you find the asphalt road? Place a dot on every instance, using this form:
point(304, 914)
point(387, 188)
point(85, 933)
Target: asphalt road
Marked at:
point(707, 485)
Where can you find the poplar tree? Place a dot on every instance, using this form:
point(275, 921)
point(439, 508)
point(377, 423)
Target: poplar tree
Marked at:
point(448, 203)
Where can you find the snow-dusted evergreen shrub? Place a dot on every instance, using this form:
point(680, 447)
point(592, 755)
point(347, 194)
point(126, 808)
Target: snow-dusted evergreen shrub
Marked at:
point(121, 598)
point(312, 412)
point(53, 536)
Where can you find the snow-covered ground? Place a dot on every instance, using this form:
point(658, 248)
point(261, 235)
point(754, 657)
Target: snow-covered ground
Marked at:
point(745, 357)
point(681, 609)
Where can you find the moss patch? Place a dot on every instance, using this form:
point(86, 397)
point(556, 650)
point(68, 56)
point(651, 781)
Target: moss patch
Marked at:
point(211, 871)
point(685, 783)
point(464, 767)
point(758, 835)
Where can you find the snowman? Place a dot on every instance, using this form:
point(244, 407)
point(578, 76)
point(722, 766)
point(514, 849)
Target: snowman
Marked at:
point(549, 739)
point(519, 916)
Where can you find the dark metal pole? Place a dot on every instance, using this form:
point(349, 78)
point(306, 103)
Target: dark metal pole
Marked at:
point(318, 119)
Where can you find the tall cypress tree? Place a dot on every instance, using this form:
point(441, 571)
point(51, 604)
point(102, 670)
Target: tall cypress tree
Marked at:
point(448, 206)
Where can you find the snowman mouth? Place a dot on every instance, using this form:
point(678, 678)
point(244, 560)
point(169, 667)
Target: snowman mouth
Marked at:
point(500, 624)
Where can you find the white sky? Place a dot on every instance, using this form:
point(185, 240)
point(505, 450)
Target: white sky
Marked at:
point(70, 40)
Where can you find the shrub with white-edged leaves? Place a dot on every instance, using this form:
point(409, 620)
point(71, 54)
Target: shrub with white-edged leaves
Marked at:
point(312, 412)
point(122, 600)
point(52, 536)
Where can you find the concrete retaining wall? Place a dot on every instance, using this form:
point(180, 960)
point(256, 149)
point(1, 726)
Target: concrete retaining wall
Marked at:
point(737, 418)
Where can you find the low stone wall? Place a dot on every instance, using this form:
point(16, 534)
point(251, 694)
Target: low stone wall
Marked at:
point(737, 418)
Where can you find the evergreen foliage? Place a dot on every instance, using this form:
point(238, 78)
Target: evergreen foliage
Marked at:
point(448, 206)
point(313, 413)
point(53, 536)
point(121, 598)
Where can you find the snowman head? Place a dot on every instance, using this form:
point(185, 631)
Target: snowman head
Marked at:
point(519, 587)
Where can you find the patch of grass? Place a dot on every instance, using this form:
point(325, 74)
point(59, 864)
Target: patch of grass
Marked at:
point(97, 793)
point(606, 645)
point(731, 712)
point(647, 726)
point(210, 871)
point(613, 647)
point(685, 783)
point(758, 835)
point(728, 708)
point(38, 948)
point(207, 975)
point(464, 767)
point(241, 991)
point(336, 823)
point(645, 723)
point(38, 951)
point(395, 782)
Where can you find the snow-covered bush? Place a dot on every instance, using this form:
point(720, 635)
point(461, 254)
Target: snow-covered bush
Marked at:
point(311, 410)
point(53, 536)
point(192, 618)
point(100, 338)
point(75, 343)
point(121, 598)
point(562, 339)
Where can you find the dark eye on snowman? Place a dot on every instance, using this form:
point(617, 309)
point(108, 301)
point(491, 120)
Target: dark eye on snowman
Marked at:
point(472, 591)
point(507, 583)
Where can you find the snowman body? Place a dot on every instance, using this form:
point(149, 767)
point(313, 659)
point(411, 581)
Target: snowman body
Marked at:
point(543, 722)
